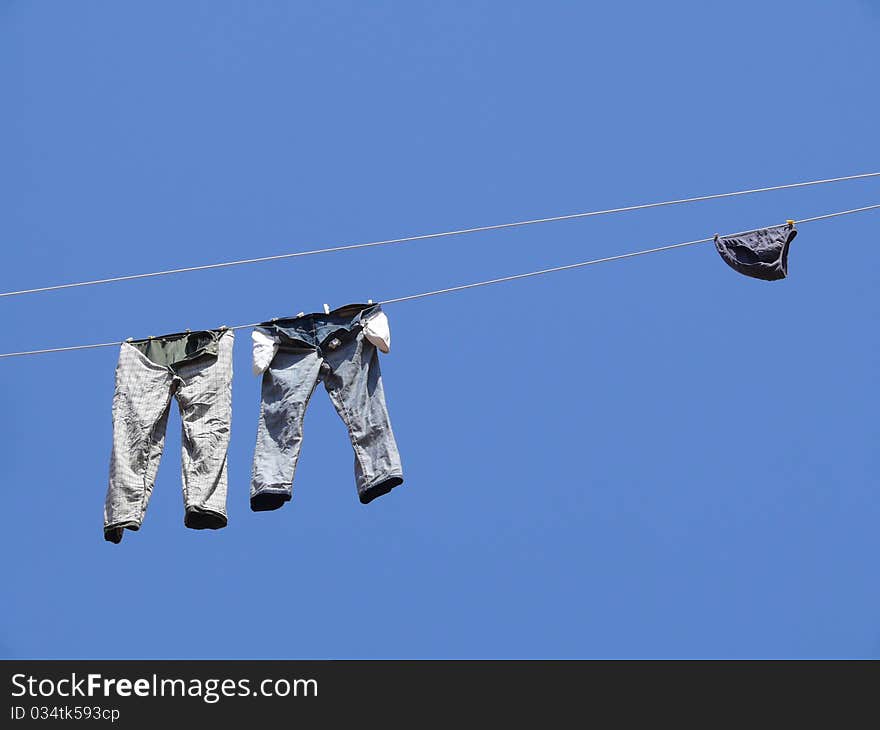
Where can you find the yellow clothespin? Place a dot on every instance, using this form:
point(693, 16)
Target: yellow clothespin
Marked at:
point(790, 222)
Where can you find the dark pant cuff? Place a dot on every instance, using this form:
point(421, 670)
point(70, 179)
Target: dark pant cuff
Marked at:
point(114, 533)
point(197, 518)
point(377, 489)
point(265, 501)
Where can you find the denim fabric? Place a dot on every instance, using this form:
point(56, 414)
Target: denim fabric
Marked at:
point(329, 348)
point(145, 387)
point(761, 254)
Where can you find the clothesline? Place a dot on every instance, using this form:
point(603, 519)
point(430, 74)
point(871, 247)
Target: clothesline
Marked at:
point(442, 234)
point(488, 282)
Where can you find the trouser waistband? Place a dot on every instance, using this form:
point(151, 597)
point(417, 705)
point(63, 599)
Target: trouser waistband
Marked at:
point(175, 349)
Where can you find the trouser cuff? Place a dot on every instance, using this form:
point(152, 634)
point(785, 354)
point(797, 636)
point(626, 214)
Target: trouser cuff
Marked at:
point(379, 487)
point(199, 518)
point(113, 532)
point(269, 499)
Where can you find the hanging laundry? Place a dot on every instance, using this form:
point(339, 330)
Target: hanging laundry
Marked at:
point(196, 367)
point(338, 348)
point(761, 254)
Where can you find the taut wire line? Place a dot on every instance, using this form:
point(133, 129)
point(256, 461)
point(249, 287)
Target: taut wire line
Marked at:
point(442, 234)
point(489, 282)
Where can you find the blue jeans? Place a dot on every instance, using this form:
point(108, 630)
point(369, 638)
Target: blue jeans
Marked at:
point(329, 348)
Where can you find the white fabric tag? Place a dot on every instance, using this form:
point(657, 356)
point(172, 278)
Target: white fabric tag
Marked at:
point(265, 347)
point(378, 331)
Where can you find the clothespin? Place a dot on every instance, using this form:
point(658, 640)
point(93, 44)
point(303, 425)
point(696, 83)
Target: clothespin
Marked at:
point(302, 313)
point(326, 309)
point(790, 222)
point(369, 301)
point(222, 327)
point(129, 339)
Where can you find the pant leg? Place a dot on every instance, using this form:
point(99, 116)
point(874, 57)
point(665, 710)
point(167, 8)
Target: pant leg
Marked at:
point(205, 399)
point(354, 383)
point(141, 402)
point(288, 385)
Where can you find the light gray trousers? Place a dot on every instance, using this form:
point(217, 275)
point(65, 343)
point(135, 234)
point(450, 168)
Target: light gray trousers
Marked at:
point(141, 403)
point(349, 369)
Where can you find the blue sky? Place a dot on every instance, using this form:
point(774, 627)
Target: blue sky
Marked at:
point(650, 458)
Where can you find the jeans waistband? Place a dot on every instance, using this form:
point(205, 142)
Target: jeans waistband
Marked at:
point(316, 328)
